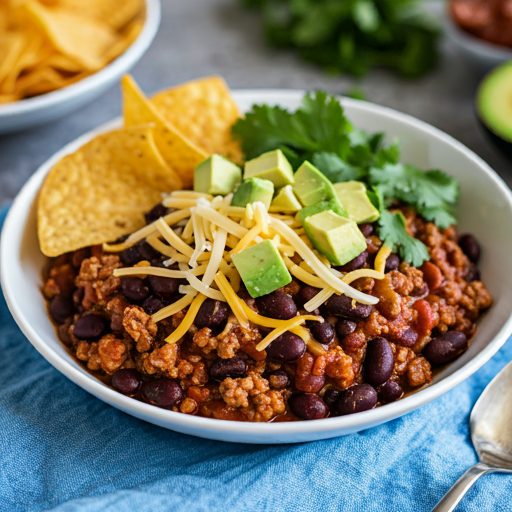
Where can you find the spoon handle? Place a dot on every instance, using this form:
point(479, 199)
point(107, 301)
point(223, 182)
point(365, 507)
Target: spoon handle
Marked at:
point(461, 486)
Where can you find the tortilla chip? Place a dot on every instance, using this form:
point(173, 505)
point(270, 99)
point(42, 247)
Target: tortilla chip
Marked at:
point(204, 111)
point(11, 46)
point(82, 39)
point(101, 191)
point(179, 153)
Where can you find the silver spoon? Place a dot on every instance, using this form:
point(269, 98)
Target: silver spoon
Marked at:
point(491, 433)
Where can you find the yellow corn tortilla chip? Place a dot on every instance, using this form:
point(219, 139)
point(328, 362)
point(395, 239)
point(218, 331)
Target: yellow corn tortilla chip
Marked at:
point(101, 191)
point(181, 154)
point(204, 111)
point(83, 39)
point(11, 47)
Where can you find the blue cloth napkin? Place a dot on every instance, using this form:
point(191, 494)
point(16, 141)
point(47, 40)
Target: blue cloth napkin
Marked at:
point(63, 450)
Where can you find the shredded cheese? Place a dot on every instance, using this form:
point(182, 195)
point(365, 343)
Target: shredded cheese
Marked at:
point(221, 221)
point(319, 299)
point(232, 299)
point(380, 259)
point(362, 272)
point(176, 202)
point(172, 239)
point(158, 271)
point(287, 325)
point(173, 308)
point(186, 323)
point(261, 217)
point(188, 230)
point(190, 194)
point(199, 238)
point(216, 257)
point(247, 239)
point(314, 347)
point(199, 286)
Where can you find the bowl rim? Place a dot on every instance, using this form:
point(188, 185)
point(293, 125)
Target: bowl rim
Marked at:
point(130, 55)
point(13, 230)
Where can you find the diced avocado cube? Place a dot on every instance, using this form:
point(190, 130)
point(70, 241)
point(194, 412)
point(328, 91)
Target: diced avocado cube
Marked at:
point(216, 175)
point(353, 196)
point(272, 166)
point(322, 206)
point(261, 268)
point(285, 201)
point(337, 238)
point(251, 190)
point(311, 186)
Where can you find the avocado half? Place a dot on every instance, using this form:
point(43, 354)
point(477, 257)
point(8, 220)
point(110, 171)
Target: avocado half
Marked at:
point(494, 106)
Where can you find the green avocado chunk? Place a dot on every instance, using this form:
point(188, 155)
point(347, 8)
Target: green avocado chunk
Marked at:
point(272, 166)
point(216, 175)
point(352, 195)
point(321, 206)
point(311, 186)
point(337, 238)
point(261, 268)
point(252, 190)
point(285, 201)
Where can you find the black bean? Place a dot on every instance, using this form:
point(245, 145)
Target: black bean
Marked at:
point(90, 327)
point(277, 305)
point(331, 395)
point(307, 406)
point(163, 392)
point(152, 304)
point(147, 252)
point(390, 391)
point(354, 264)
point(406, 338)
point(366, 229)
point(211, 313)
point(126, 381)
point(165, 287)
point(61, 308)
point(134, 288)
point(358, 398)
point(221, 369)
point(392, 263)
point(446, 348)
point(286, 348)
point(470, 247)
point(473, 274)
point(344, 328)
point(155, 213)
point(378, 362)
point(321, 331)
point(306, 293)
point(341, 305)
point(139, 252)
point(278, 379)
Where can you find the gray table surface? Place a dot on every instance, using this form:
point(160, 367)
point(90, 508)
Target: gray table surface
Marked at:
point(202, 37)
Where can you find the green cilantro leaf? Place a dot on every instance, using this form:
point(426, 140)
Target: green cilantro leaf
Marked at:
point(441, 217)
point(394, 235)
point(334, 168)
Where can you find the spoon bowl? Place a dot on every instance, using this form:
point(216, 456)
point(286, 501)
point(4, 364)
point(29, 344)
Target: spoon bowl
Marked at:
point(491, 433)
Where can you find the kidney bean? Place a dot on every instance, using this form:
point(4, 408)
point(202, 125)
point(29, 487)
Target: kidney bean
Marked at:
point(234, 367)
point(358, 398)
point(277, 305)
point(90, 327)
point(366, 229)
point(306, 293)
point(378, 362)
point(354, 264)
point(155, 213)
point(278, 379)
point(211, 313)
point(341, 305)
point(165, 287)
point(126, 381)
point(286, 348)
point(331, 395)
point(392, 263)
point(152, 304)
point(406, 338)
point(432, 275)
point(390, 391)
point(446, 348)
point(164, 392)
point(426, 319)
point(344, 328)
point(308, 407)
point(321, 331)
point(61, 308)
point(470, 247)
point(134, 288)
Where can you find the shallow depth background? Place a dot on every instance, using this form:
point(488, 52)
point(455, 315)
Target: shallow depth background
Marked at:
point(201, 37)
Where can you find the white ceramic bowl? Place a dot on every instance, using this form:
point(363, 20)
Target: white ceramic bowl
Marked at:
point(481, 55)
point(485, 210)
point(38, 110)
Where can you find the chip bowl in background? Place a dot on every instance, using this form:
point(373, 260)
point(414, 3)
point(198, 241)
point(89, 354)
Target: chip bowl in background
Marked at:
point(38, 110)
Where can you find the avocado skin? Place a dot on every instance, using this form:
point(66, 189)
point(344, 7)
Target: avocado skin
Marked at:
point(503, 145)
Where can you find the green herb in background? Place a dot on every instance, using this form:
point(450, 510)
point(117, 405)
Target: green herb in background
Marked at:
point(353, 35)
point(318, 131)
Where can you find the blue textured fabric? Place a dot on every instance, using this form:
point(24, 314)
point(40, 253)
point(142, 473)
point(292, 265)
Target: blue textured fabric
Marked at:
point(64, 450)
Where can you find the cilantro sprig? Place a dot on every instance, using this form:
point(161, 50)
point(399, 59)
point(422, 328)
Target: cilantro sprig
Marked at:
point(318, 131)
point(353, 35)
